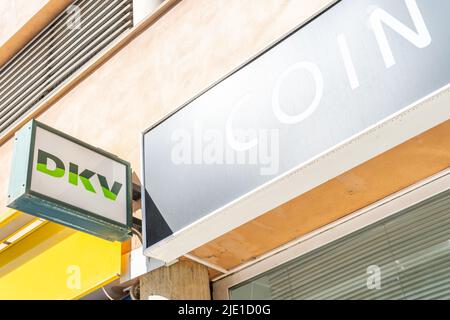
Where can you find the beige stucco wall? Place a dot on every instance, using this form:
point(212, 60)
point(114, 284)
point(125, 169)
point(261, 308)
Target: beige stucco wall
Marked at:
point(193, 45)
point(14, 14)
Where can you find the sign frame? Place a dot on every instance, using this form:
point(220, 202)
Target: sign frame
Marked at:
point(23, 198)
point(154, 250)
point(409, 121)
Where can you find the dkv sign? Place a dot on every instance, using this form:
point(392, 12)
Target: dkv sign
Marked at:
point(62, 179)
point(58, 171)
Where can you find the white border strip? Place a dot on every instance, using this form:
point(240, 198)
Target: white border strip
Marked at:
point(371, 214)
point(413, 120)
point(206, 263)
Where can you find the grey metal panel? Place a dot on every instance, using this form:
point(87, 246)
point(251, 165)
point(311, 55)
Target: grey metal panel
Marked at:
point(56, 53)
point(19, 168)
point(184, 193)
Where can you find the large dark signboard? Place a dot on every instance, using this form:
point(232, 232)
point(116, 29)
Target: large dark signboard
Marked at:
point(351, 68)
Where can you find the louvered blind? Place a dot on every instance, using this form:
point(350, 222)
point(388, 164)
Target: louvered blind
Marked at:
point(411, 250)
point(57, 52)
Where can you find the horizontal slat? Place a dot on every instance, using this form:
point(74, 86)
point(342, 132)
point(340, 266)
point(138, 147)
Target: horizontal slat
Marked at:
point(91, 32)
point(56, 54)
point(69, 72)
point(61, 64)
point(22, 58)
point(54, 40)
point(411, 248)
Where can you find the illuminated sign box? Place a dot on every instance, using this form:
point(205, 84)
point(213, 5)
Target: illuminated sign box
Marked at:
point(61, 179)
point(355, 81)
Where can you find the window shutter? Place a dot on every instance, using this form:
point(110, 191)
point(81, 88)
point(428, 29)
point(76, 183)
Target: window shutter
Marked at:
point(56, 53)
point(410, 248)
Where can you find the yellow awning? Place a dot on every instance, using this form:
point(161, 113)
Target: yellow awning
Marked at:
point(55, 262)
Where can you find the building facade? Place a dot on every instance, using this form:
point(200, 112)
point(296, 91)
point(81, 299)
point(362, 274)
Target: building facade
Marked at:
point(358, 206)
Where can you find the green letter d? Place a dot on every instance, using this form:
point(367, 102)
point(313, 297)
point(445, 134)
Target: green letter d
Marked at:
point(41, 166)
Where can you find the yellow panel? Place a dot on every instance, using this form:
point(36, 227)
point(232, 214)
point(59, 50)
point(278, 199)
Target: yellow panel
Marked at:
point(9, 216)
point(55, 262)
point(13, 222)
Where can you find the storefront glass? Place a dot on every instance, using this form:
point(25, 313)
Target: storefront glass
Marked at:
point(406, 256)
